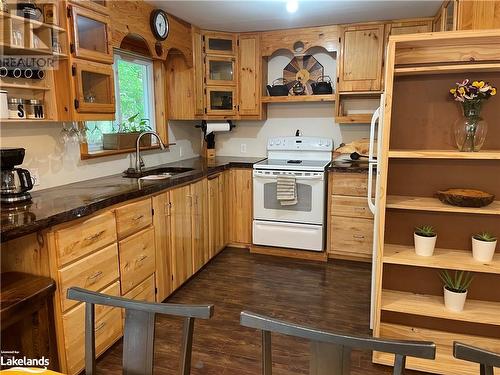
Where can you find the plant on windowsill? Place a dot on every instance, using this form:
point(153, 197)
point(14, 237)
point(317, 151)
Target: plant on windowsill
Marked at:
point(455, 289)
point(425, 240)
point(126, 134)
point(483, 246)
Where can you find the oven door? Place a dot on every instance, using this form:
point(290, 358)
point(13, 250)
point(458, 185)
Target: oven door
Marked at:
point(310, 195)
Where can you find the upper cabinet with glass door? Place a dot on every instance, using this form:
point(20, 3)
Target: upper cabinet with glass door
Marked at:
point(94, 89)
point(219, 43)
point(91, 36)
point(220, 70)
point(97, 5)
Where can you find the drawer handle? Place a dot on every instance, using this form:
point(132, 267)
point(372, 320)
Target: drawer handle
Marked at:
point(99, 326)
point(95, 275)
point(358, 236)
point(95, 236)
point(141, 258)
point(360, 208)
point(138, 217)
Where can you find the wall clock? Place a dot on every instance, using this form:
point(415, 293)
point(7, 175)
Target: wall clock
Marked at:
point(305, 69)
point(159, 24)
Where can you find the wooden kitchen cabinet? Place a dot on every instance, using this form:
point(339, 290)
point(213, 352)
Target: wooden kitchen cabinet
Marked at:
point(221, 101)
point(93, 272)
point(220, 70)
point(100, 6)
point(249, 76)
point(133, 217)
point(163, 238)
point(91, 35)
point(74, 241)
point(240, 217)
point(94, 87)
point(213, 214)
point(216, 215)
point(350, 221)
point(216, 43)
point(423, 25)
point(199, 224)
point(476, 15)
point(137, 258)
point(198, 72)
point(362, 49)
point(181, 238)
point(108, 329)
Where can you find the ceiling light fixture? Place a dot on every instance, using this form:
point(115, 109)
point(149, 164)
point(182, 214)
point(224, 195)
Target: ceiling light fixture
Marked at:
point(292, 6)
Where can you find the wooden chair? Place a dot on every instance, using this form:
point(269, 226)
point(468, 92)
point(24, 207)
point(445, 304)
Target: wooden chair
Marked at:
point(333, 354)
point(486, 359)
point(138, 338)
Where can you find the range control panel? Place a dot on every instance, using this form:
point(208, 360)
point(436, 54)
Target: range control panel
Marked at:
point(300, 143)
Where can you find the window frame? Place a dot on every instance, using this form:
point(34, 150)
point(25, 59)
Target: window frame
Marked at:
point(134, 58)
point(157, 81)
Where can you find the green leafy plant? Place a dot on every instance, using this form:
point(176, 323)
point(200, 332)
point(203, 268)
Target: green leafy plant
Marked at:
point(459, 283)
point(485, 236)
point(425, 231)
point(133, 125)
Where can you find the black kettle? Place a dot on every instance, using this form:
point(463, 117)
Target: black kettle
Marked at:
point(298, 88)
point(278, 89)
point(322, 86)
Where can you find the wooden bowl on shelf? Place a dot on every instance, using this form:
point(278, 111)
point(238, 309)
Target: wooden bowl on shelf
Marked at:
point(465, 197)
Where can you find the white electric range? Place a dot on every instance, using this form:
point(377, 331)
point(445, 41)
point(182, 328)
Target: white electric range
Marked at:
point(298, 226)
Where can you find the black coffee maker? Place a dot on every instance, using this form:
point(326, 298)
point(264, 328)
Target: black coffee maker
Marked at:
point(14, 182)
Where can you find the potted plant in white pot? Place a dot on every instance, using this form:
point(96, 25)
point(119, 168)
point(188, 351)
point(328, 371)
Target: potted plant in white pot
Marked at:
point(455, 289)
point(425, 240)
point(483, 246)
point(127, 133)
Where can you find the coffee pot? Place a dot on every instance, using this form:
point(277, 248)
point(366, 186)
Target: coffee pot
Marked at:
point(14, 182)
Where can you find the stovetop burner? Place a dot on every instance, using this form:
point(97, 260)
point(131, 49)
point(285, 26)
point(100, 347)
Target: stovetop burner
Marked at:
point(294, 161)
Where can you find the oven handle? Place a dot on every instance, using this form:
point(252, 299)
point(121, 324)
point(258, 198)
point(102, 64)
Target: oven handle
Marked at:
point(269, 176)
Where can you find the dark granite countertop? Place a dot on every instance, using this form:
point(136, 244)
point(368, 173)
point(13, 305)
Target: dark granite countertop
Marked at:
point(354, 166)
point(68, 202)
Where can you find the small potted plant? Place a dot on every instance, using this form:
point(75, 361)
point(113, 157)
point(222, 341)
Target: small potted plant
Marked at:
point(455, 289)
point(425, 240)
point(483, 246)
point(127, 133)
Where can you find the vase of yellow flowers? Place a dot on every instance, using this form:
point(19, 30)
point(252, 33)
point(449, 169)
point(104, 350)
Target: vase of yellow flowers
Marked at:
point(470, 131)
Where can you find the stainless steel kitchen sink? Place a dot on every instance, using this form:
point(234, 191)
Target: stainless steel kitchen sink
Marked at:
point(164, 171)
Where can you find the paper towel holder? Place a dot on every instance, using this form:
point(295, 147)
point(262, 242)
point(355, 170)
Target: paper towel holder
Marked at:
point(203, 126)
point(208, 150)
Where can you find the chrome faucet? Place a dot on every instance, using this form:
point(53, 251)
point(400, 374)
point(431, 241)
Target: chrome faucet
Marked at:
point(139, 163)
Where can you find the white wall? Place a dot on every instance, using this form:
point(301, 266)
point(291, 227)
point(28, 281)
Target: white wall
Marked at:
point(283, 119)
point(58, 166)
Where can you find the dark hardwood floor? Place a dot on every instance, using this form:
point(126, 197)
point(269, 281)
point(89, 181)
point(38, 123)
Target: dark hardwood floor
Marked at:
point(333, 296)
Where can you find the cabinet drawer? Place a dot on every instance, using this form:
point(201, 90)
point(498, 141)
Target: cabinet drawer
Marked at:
point(352, 236)
point(92, 272)
point(108, 328)
point(341, 205)
point(355, 184)
point(137, 258)
point(145, 291)
point(80, 239)
point(133, 217)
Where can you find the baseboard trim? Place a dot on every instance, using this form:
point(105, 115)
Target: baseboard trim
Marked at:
point(290, 253)
point(239, 245)
point(364, 259)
